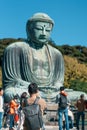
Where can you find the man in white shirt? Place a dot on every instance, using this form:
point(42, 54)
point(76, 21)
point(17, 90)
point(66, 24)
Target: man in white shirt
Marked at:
point(1, 107)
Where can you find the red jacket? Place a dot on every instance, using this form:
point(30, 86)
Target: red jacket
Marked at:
point(13, 107)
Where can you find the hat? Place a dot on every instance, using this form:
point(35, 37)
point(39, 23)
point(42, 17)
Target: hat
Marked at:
point(62, 88)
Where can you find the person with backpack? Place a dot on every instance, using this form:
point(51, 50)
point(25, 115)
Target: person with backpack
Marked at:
point(62, 101)
point(33, 110)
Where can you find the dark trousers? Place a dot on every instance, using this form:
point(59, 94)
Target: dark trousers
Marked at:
point(82, 115)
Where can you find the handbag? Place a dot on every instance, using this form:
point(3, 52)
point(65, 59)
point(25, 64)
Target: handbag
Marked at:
point(16, 117)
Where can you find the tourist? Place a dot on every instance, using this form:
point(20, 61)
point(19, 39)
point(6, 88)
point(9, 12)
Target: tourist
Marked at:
point(80, 104)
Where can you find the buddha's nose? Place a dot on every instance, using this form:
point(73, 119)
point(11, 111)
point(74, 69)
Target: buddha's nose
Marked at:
point(43, 31)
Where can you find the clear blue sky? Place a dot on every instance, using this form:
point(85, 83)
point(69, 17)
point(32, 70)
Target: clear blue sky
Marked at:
point(70, 18)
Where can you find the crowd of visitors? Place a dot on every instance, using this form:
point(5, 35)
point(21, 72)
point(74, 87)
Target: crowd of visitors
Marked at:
point(13, 116)
point(11, 113)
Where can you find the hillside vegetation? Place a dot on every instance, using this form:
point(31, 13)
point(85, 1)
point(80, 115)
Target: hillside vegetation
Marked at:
point(75, 60)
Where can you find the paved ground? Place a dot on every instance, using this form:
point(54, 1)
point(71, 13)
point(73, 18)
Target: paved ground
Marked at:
point(47, 128)
point(55, 128)
point(50, 128)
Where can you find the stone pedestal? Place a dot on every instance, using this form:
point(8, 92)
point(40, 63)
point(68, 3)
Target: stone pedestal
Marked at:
point(51, 116)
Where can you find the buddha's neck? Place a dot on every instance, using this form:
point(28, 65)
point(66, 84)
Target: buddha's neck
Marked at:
point(36, 45)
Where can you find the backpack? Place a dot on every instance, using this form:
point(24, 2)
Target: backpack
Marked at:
point(33, 116)
point(62, 101)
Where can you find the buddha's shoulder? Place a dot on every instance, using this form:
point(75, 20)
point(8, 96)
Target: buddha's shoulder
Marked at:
point(54, 50)
point(18, 45)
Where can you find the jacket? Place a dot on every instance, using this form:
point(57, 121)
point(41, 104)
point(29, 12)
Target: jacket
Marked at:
point(80, 104)
point(13, 106)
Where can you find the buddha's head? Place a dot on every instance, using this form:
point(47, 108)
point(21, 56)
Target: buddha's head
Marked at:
point(39, 28)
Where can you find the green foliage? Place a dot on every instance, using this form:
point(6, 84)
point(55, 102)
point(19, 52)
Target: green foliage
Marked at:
point(78, 85)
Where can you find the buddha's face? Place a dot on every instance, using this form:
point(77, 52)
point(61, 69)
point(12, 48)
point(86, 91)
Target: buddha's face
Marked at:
point(40, 32)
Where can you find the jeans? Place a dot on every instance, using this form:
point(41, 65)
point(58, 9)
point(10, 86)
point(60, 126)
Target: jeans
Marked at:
point(1, 119)
point(82, 115)
point(11, 121)
point(62, 111)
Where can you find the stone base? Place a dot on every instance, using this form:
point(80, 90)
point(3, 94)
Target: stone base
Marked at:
point(50, 117)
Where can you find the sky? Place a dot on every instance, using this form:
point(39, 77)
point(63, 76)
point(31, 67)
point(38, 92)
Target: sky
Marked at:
point(70, 17)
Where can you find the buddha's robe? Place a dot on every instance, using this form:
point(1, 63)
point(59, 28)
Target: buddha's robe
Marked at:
point(21, 66)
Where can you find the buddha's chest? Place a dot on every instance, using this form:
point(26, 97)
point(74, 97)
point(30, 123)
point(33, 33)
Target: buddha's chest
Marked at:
point(41, 62)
